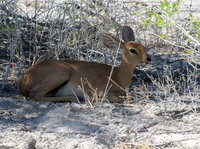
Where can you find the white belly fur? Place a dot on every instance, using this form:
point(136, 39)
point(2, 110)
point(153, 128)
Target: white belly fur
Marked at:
point(69, 90)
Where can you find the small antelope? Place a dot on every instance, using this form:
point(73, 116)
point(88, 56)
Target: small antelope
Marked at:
point(60, 80)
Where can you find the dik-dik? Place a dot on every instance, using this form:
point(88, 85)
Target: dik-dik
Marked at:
point(65, 80)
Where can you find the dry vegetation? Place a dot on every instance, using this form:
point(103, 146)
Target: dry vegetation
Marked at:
point(35, 30)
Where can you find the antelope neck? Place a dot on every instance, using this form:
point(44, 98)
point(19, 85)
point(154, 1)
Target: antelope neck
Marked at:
point(125, 71)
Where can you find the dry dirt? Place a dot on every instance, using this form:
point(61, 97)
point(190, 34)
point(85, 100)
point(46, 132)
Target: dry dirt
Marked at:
point(103, 125)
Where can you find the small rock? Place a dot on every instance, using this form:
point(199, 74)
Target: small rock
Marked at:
point(24, 128)
point(31, 144)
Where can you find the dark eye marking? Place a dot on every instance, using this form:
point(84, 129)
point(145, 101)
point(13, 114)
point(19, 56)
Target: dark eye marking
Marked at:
point(134, 51)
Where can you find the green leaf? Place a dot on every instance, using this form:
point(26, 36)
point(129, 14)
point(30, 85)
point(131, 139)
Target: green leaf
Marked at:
point(186, 37)
point(173, 5)
point(150, 15)
point(191, 17)
point(155, 14)
point(186, 50)
point(168, 23)
point(137, 13)
point(198, 32)
point(176, 10)
point(197, 22)
point(169, 11)
point(161, 5)
point(146, 22)
point(92, 6)
point(194, 26)
point(162, 35)
point(167, 4)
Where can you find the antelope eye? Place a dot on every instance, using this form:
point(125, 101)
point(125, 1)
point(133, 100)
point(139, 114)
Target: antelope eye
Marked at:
point(133, 51)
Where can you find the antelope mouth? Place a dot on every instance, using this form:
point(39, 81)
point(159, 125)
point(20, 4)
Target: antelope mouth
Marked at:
point(147, 60)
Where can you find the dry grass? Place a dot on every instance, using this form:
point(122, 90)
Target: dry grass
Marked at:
point(49, 30)
point(32, 31)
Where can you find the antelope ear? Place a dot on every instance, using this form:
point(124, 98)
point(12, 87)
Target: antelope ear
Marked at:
point(110, 41)
point(127, 34)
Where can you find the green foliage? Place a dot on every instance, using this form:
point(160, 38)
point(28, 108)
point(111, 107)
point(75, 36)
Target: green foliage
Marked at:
point(188, 51)
point(145, 22)
point(163, 16)
point(175, 6)
point(137, 13)
point(158, 16)
point(195, 24)
point(159, 20)
point(163, 35)
point(170, 9)
point(164, 4)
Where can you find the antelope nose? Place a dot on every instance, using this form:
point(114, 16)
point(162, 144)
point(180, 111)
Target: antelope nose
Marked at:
point(148, 58)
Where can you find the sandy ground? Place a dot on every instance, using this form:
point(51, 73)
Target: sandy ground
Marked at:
point(103, 125)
